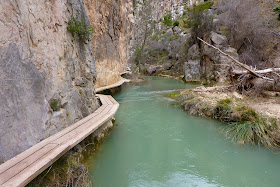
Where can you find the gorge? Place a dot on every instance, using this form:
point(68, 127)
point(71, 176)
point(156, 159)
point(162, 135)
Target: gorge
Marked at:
point(49, 76)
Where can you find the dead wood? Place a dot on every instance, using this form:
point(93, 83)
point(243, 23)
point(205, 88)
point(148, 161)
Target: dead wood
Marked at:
point(250, 80)
point(265, 71)
point(244, 66)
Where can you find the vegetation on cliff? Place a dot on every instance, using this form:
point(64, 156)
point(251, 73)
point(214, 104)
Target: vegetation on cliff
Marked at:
point(79, 28)
point(199, 20)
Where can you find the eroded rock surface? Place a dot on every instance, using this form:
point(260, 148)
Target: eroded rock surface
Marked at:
point(112, 21)
point(40, 62)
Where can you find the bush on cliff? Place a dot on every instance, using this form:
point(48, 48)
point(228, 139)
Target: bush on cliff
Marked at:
point(198, 20)
point(79, 28)
point(277, 9)
point(167, 20)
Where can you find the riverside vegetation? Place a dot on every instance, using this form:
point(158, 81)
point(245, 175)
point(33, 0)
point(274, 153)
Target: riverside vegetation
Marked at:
point(244, 124)
point(172, 46)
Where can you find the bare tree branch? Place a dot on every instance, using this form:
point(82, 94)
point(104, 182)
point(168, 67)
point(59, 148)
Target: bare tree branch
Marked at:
point(269, 70)
point(237, 62)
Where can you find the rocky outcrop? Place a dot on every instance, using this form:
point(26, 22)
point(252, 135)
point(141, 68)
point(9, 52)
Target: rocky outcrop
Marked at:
point(192, 70)
point(156, 43)
point(192, 66)
point(112, 21)
point(207, 63)
point(46, 75)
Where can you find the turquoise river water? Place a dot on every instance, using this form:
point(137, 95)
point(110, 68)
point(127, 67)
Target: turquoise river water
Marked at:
point(156, 144)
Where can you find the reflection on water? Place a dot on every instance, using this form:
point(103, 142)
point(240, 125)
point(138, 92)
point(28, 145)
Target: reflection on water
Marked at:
point(156, 144)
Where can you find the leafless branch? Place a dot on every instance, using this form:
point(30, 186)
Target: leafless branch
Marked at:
point(237, 62)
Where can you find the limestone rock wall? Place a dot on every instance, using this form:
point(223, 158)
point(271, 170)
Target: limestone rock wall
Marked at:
point(40, 62)
point(112, 21)
point(154, 11)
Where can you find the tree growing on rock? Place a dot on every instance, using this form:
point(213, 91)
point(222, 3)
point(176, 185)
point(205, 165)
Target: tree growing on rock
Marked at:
point(199, 20)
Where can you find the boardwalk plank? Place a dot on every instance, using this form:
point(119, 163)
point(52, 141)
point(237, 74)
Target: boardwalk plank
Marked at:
point(38, 146)
point(113, 100)
point(23, 168)
point(23, 164)
point(117, 84)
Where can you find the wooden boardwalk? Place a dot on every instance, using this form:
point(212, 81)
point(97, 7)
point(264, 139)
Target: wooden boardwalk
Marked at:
point(23, 168)
point(117, 84)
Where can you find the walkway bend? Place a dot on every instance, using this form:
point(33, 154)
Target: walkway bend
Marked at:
point(117, 84)
point(23, 168)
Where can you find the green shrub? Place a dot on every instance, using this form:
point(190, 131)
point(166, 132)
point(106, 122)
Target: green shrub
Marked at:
point(247, 114)
point(55, 104)
point(137, 53)
point(173, 37)
point(277, 9)
point(176, 23)
point(174, 96)
point(167, 20)
point(225, 101)
point(252, 128)
point(223, 110)
point(256, 132)
point(79, 28)
point(198, 20)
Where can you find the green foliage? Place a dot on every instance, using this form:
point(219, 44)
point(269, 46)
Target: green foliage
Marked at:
point(176, 23)
point(138, 52)
point(247, 114)
point(223, 110)
point(174, 96)
point(255, 132)
point(198, 20)
point(79, 28)
point(173, 37)
point(225, 101)
point(204, 6)
point(55, 104)
point(277, 9)
point(167, 20)
point(252, 128)
point(225, 31)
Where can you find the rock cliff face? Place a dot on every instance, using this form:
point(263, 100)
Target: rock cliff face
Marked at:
point(41, 65)
point(112, 21)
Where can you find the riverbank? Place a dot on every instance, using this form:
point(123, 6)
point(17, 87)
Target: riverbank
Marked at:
point(252, 120)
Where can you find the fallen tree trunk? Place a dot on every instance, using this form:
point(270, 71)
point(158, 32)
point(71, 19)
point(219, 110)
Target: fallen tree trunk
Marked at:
point(247, 68)
point(265, 71)
point(250, 80)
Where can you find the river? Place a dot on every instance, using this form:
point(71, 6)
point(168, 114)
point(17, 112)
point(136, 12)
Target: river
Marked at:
point(157, 144)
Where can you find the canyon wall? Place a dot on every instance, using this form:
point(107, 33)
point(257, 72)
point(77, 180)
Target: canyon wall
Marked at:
point(164, 34)
point(147, 12)
point(112, 21)
point(46, 75)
